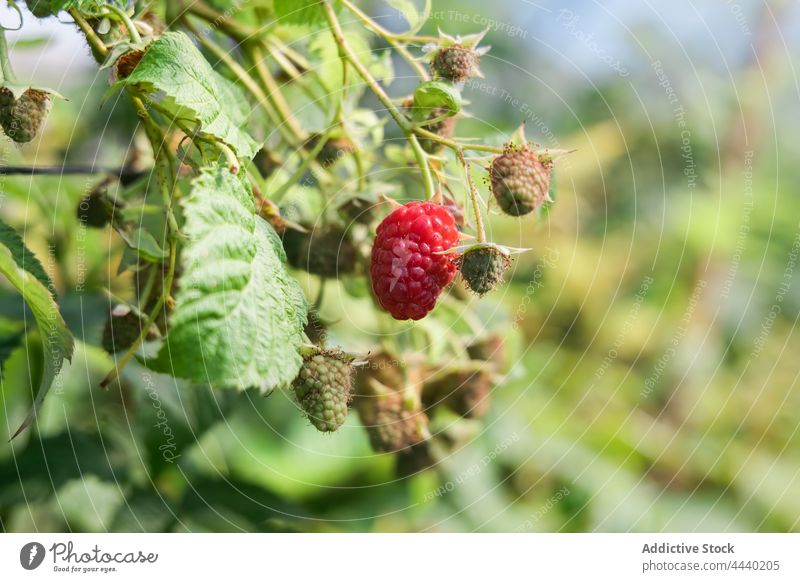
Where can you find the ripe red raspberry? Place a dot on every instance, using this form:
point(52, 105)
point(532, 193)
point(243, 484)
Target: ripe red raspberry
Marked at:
point(407, 272)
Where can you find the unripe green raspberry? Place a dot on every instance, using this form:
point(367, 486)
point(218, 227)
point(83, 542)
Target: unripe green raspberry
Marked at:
point(324, 388)
point(455, 63)
point(520, 180)
point(22, 118)
point(483, 267)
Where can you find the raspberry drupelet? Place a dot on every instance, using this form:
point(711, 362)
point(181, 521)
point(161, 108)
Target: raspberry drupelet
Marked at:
point(409, 270)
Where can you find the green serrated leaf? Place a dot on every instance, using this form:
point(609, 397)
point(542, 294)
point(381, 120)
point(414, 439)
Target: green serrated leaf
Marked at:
point(183, 83)
point(432, 95)
point(22, 256)
point(56, 339)
point(239, 315)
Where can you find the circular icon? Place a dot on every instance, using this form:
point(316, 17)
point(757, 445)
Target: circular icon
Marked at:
point(31, 555)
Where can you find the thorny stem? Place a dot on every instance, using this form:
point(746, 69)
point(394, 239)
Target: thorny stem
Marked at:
point(274, 93)
point(343, 95)
point(291, 53)
point(157, 143)
point(128, 355)
point(235, 30)
point(374, 86)
point(401, 120)
point(293, 134)
point(340, 117)
point(422, 161)
point(243, 77)
point(91, 36)
point(388, 37)
point(473, 194)
point(409, 128)
point(168, 182)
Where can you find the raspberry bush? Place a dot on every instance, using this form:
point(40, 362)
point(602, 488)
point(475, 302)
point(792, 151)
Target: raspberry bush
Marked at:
point(264, 193)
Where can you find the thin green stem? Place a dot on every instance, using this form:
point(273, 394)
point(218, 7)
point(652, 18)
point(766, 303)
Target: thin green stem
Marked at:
point(301, 167)
point(415, 38)
point(236, 30)
point(422, 161)
point(126, 20)
point(247, 81)
point(473, 194)
point(373, 84)
point(274, 92)
point(131, 351)
point(6, 72)
point(391, 39)
point(158, 144)
point(293, 135)
point(162, 153)
point(148, 287)
point(401, 120)
point(343, 96)
point(290, 53)
point(297, 76)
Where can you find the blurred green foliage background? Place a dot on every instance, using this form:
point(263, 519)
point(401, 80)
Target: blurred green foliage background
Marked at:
point(653, 377)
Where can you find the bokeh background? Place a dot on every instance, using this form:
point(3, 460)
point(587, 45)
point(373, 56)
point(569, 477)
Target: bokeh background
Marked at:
point(652, 382)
